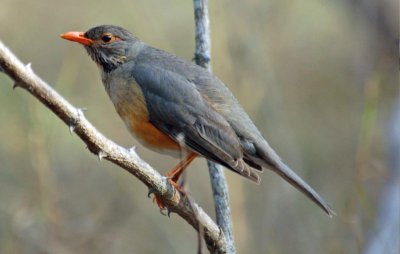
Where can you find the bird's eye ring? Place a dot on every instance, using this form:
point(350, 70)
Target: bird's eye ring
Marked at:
point(107, 38)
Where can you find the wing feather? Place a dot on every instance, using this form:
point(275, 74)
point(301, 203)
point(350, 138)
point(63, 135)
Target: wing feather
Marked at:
point(177, 108)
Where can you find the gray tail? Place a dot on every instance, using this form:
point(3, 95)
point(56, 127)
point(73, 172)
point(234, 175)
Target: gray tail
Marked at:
point(271, 160)
point(295, 180)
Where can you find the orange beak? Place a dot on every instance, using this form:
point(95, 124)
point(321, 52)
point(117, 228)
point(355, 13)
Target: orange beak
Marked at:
point(77, 37)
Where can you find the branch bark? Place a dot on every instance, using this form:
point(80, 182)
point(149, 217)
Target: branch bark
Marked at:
point(218, 182)
point(98, 144)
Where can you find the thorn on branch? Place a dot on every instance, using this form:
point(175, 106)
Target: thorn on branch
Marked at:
point(132, 151)
point(16, 84)
point(29, 67)
point(71, 129)
point(80, 112)
point(101, 155)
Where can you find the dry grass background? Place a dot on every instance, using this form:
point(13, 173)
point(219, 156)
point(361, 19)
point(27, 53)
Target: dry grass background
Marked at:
point(318, 78)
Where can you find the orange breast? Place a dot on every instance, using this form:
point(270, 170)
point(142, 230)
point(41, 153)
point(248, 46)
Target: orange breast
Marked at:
point(152, 137)
point(131, 107)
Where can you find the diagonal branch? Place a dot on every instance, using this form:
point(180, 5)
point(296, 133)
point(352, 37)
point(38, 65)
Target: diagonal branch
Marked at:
point(98, 144)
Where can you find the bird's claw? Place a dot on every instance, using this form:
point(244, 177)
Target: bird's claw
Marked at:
point(160, 203)
point(162, 211)
point(158, 200)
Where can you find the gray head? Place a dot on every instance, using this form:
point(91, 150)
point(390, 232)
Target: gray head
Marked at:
point(109, 46)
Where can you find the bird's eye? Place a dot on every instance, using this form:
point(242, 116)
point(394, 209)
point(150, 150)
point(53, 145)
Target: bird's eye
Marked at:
point(106, 38)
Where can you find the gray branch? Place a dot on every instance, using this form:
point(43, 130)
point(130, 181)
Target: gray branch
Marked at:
point(218, 181)
point(98, 144)
point(385, 237)
point(202, 54)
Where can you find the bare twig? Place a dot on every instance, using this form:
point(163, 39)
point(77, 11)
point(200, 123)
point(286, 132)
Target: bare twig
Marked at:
point(218, 181)
point(98, 144)
point(386, 238)
point(202, 54)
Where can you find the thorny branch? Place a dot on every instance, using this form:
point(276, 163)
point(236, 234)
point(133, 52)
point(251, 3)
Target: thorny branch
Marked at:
point(97, 143)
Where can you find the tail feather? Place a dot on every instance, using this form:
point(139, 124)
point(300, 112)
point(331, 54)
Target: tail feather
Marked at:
point(290, 176)
point(269, 159)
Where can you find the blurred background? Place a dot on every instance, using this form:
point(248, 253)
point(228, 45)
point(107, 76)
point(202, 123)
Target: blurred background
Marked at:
point(319, 79)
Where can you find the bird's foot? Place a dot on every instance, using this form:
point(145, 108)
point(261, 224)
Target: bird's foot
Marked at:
point(160, 203)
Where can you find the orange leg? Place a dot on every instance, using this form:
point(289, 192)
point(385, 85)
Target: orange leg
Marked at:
point(177, 171)
point(174, 175)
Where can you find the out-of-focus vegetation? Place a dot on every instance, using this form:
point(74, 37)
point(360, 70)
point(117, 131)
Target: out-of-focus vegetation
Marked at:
point(319, 79)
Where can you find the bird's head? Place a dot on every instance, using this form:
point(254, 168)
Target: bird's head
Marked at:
point(109, 46)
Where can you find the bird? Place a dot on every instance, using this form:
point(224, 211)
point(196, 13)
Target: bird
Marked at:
point(169, 104)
